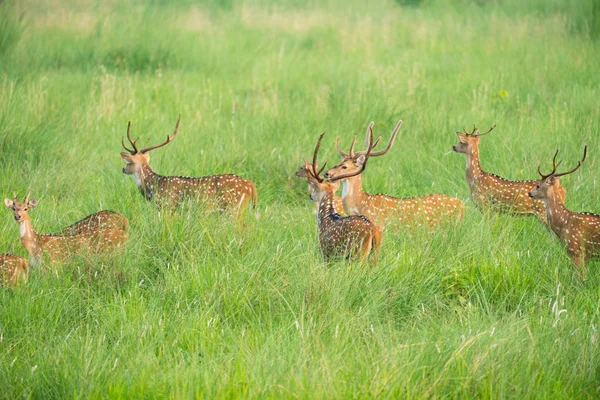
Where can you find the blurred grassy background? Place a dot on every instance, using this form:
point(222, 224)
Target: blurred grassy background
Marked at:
point(490, 309)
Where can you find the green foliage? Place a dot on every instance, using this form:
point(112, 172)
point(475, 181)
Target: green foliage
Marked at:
point(491, 308)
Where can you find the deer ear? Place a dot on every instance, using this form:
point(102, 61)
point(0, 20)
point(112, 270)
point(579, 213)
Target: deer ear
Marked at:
point(32, 203)
point(127, 158)
point(9, 203)
point(360, 160)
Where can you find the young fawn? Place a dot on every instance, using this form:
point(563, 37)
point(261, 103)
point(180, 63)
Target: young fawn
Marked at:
point(387, 210)
point(101, 219)
point(579, 231)
point(60, 246)
point(492, 192)
point(307, 170)
point(224, 192)
point(353, 236)
point(12, 269)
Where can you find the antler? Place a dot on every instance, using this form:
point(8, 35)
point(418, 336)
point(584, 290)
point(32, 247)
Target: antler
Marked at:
point(577, 166)
point(554, 167)
point(317, 173)
point(132, 142)
point(484, 133)
point(27, 197)
point(367, 154)
point(342, 152)
point(475, 132)
point(390, 143)
point(169, 139)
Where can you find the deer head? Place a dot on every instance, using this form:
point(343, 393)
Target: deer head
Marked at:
point(319, 186)
point(136, 159)
point(20, 209)
point(550, 181)
point(468, 141)
point(354, 161)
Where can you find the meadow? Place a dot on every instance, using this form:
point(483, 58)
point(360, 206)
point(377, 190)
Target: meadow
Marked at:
point(492, 308)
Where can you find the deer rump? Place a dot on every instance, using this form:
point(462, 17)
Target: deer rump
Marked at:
point(353, 236)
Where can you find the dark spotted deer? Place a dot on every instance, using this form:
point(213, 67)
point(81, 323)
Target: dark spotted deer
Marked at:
point(223, 192)
point(386, 210)
point(492, 192)
point(59, 247)
point(353, 236)
point(579, 231)
point(307, 170)
point(12, 269)
point(101, 219)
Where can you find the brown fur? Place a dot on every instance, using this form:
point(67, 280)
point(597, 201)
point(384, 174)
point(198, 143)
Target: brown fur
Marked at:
point(579, 231)
point(222, 192)
point(59, 247)
point(101, 219)
point(492, 192)
point(384, 210)
point(13, 269)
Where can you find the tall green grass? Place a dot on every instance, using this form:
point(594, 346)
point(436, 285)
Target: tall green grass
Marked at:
point(194, 308)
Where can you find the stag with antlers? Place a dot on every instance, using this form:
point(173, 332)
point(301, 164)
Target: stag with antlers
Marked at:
point(429, 210)
point(579, 231)
point(353, 236)
point(223, 192)
point(307, 170)
point(492, 192)
point(60, 246)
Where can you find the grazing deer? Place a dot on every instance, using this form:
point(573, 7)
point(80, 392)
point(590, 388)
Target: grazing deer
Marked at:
point(101, 219)
point(353, 236)
point(490, 191)
point(579, 231)
point(59, 247)
point(387, 210)
point(12, 269)
point(225, 192)
point(307, 170)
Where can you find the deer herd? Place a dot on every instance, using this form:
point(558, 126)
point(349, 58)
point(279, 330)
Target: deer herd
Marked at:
point(350, 226)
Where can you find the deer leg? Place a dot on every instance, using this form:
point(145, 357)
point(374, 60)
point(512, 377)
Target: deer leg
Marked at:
point(376, 246)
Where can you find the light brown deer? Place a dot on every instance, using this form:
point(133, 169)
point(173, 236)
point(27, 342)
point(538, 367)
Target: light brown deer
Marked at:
point(59, 247)
point(307, 170)
point(100, 219)
point(353, 236)
point(579, 231)
point(384, 210)
point(492, 192)
point(12, 269)
point(223, 192)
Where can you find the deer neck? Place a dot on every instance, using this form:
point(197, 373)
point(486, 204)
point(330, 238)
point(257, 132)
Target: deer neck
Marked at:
point(474, 170)
point(352, 193)
point(327, 210)
point(146, 180)
point(29, 237)
point(556, 212)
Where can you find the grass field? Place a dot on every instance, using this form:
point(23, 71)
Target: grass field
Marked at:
point(194, 308)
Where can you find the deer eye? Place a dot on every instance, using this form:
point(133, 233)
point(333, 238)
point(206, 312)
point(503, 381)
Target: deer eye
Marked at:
point(344, 167)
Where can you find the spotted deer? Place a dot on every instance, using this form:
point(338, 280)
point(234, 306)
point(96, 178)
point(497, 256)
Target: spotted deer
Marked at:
point(223, 192)
point(384, 210)
point(307, 170)
point(60, 246)
point(12, 269)
point(100, 219)
point(353, 236)
point(492, 192)
point(579, 231)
